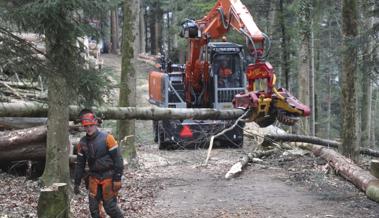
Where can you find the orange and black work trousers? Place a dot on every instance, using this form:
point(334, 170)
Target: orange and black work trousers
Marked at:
point(102, 190)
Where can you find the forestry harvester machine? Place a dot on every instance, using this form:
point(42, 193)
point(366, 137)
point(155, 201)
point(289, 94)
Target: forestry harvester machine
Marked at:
point(220, 75)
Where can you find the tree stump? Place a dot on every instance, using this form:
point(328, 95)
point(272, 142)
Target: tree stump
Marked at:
point(374, 168)
point(54, 201)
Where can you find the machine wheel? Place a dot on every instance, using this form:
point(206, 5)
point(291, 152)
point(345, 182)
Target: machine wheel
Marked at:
point(162, 145)
point(155, 130)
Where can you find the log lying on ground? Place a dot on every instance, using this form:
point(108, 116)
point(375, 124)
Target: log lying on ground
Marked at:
point(123, 113)
point(54, 201)
point(25, 144)
point(316, 141)
point(302, 138)
point(370, 152)
point(347, 169)
point(21, 122)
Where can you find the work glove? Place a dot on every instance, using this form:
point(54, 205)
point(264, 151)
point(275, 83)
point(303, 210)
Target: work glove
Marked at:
point(116, 185)
point(76, 189)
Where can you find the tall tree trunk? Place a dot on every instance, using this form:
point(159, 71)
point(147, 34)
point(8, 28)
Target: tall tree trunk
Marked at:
point(114, 30)
point(158, 28)
point(366, 110)
point(304, 55)
point(329, 104)
point(329, 86)
point(373, 121)
point(57, 168)
point(136, 33)
point(59, 45)
point(284, 46)
point(312, 103)
point(126, 128)
point(152, 30)
point(271, 17)
point(147, 21)
point(168, 32)
point(142, 27)
point(366, 70)
point(349, 131)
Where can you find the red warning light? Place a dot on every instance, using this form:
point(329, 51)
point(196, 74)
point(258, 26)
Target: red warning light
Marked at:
point(186, 132)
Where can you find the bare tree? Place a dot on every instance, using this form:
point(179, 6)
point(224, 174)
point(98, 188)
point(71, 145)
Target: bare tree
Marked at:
point(349, 131)
point(126, 128)
point(114, 30)
point(304, 55)
point(367, 57)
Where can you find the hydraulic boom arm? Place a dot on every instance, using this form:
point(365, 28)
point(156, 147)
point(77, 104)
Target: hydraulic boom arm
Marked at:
point(224, 15)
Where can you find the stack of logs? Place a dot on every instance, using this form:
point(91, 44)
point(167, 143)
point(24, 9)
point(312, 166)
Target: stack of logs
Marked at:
point(23, 143)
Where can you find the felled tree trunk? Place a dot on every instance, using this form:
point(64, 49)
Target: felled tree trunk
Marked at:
point(316, 141)
point(302, 138)
point(25, 144)
point(21, 122)
point(347, 169)
point(123, 113)
point(54, 201)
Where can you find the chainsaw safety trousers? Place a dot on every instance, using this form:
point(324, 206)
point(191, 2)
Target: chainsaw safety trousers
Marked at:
point(110, 207)
point(101, 190)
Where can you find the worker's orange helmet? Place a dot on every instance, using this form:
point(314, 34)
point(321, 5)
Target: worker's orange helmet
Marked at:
point(88, 119)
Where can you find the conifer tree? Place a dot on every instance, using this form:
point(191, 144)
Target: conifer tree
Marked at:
point(62, 23)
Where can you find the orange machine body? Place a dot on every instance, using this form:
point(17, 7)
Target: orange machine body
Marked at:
point(157, 87)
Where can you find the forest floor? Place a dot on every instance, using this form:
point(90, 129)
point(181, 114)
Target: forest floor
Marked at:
point(177, 184)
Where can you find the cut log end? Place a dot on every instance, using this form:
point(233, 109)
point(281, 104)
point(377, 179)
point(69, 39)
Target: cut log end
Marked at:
point(372, 190)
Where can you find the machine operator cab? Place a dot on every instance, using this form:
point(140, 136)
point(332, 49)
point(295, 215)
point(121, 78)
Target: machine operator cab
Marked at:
point(227, 71)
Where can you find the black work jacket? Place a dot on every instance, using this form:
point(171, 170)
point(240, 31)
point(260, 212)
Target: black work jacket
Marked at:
point(102, 161)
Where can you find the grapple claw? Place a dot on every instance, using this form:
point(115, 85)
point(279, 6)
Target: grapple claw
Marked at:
point(266, 109)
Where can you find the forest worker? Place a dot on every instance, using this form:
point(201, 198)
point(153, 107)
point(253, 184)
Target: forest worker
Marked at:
point(105, 164)
point(224, 73)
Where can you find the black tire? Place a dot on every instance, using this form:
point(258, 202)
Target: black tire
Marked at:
point(162, 145)
point(155, 130)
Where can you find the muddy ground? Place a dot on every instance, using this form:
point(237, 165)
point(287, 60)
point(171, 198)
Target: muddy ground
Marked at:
point(177, 184)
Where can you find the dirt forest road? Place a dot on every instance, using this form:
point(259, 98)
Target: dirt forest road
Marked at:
point(176, 184)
